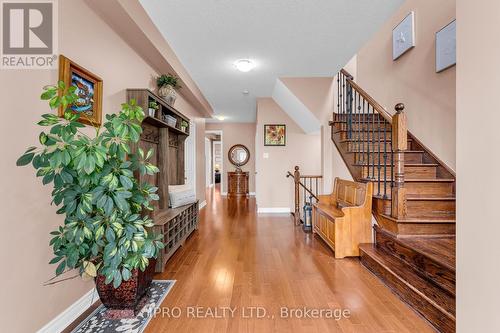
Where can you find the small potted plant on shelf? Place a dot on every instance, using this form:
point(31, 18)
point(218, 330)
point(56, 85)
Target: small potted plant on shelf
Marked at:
point(105, 234)
point(167, 83)
point(184, 125)
point(153, 107)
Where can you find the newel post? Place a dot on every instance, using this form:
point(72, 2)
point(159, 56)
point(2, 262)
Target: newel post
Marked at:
point(399, 145)
point(296, 179)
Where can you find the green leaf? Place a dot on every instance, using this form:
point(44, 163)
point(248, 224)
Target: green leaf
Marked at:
point(117, 279)
point(61, 267)
point(110, 234)
point(55, 260)
point(25, 159)
point(90, 268)
point(126, 182)
point(46, 95)
point(126, 274)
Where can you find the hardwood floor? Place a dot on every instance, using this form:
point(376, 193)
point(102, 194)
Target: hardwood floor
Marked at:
point(239, 259)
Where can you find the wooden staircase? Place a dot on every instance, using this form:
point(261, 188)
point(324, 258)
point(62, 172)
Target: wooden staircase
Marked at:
point(413, 203)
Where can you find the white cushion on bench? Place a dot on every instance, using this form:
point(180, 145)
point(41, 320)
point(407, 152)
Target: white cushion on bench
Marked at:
point(181, 195)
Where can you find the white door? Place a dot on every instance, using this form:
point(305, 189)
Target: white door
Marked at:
point(208, 162)
point(190, 157)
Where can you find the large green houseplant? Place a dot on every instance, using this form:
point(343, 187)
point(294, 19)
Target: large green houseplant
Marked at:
point(105, 231)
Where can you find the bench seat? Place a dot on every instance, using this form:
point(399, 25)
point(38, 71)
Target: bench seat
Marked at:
point(343, 218)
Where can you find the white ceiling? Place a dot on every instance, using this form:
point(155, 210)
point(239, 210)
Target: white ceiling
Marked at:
point(286, 38)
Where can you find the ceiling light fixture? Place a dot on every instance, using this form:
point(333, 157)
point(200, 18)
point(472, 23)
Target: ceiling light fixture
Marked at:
point(245, 92)
point(220, 117)
point(244, 65)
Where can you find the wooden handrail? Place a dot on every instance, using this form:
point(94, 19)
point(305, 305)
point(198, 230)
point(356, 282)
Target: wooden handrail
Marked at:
point(297, 177)
point(376, 106)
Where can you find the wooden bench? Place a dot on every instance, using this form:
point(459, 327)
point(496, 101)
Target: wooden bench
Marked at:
point(343, 219)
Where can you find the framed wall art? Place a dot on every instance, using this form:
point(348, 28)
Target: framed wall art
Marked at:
point(403, 36)
point(446, 47)
point(274, 135)
point(88, 88)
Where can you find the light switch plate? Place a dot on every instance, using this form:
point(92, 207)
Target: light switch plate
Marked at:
point(265, 155)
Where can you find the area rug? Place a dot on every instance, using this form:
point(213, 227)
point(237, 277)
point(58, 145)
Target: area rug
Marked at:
point(97, 322)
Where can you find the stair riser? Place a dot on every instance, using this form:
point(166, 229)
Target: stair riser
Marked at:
point(358, 117)
point(444, 189)
point(366, 136)
point(411, 172)
point(364, 146)
point(411, 158)
point(418, 208)
point(431, 208)
point(415, 300)
point(429, 188)
point(413, 229)
point(355, 126)
point(425, 266)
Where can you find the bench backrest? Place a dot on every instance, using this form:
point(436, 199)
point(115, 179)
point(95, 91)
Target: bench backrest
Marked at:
point(348, 193)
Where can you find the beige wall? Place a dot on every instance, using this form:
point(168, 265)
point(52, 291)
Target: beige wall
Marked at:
point(478, 161)
point(27, 215)
point(232, 134)
point(274, 190)
point(429, 97)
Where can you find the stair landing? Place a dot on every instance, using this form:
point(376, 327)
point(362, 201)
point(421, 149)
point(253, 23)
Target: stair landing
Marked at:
point(420, 270)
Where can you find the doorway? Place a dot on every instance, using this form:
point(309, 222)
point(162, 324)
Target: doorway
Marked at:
point(215, 170)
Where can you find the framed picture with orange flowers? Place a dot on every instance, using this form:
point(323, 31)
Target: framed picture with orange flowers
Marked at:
point(274, 135)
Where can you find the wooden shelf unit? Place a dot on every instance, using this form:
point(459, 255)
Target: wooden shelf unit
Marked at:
point(168, 144)
point(144, 96)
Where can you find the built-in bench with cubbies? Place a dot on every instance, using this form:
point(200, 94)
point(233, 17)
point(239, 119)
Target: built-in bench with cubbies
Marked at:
point(166, 138)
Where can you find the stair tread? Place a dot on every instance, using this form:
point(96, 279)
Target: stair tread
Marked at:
point(364, 130)
point(354, 140)
point(429, 197)
point(417, 180)
point(406, 152)
point(440, 249)
point(406, 164)
point(430, 180)
point(405, 274)
point(422, 219)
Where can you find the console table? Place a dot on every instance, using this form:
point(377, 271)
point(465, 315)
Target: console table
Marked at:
point(237, 183)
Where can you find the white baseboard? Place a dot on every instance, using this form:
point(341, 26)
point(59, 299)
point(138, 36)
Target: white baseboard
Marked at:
point(202, 204)
point(273, 210)
point(64, 319)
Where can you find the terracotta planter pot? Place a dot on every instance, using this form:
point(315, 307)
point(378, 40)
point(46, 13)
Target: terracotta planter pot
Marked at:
point(130, 294)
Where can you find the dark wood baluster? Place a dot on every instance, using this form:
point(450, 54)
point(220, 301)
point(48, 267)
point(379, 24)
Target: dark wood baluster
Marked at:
point(379, 157)
point(355, 143)
point(385, 159)
point(367, 160)
point(373, 143)
point(338, 97)
point(360, 126)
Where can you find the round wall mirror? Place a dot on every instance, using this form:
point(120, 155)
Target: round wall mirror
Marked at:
point(239, 155)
